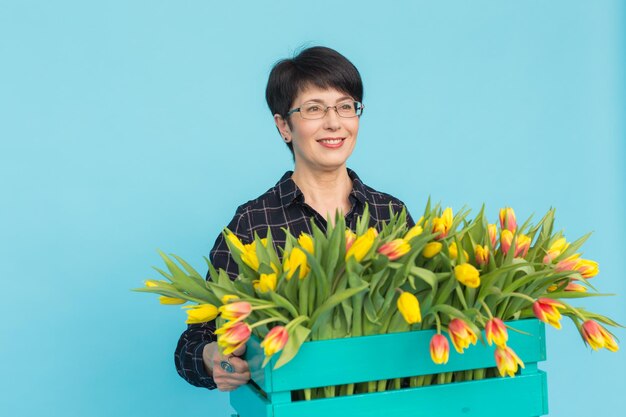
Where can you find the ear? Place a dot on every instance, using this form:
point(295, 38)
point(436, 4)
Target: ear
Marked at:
point(283, 127)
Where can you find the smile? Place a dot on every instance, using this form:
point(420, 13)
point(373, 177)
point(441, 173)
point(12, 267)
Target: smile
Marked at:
point(331, 141)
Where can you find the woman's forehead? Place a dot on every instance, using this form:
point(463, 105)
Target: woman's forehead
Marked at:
point(324, 95)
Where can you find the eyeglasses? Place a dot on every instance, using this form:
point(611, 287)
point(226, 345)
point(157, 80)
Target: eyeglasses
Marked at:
point(312, 111)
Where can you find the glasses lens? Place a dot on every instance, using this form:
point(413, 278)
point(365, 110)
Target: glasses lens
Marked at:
point(347, 109)
point(312, 111)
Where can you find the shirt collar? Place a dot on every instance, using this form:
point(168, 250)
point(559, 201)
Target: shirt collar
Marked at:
point(288, 191)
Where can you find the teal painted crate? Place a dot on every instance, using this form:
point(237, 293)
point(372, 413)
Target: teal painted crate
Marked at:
point(399, 355)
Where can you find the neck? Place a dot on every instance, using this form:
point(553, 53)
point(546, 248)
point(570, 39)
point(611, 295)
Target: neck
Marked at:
point(325, 191)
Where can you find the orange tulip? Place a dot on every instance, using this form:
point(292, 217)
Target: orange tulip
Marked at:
point(442, 225)
point(395, 249)
point(597, 336)
point(439, 349)
point(232, 336)
point(496, 332)
point(481, 253)
point(507, 219)
point(546, 310)
point(275, 340)
point(461, 335)
point(350, 238)
point(235, 311)
point(492, 230)
point(506, 238)
point(507, 361)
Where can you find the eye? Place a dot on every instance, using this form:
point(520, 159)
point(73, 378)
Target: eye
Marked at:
point(312, 108)
point(346, 106)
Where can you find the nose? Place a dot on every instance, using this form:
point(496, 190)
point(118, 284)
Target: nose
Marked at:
point(331, 118)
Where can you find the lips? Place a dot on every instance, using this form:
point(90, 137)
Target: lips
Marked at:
point(331, 141)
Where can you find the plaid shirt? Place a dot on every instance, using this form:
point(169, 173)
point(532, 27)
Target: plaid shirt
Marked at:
point(281, 206)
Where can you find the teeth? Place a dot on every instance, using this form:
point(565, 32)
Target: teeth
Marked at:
point(331, 141)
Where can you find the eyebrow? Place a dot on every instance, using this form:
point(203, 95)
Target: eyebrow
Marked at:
point(317, 100)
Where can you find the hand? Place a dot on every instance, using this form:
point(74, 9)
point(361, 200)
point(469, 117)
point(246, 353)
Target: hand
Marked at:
point(226, 381)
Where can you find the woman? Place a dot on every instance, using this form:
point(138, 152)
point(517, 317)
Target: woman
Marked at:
point(316, 100)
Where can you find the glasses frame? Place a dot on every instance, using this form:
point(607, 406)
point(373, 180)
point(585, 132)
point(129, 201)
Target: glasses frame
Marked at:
point(357, 105)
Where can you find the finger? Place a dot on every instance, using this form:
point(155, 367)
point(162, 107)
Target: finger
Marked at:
point(240, 365)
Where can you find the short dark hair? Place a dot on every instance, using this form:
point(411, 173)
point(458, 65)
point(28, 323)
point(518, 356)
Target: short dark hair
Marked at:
point(318, 66)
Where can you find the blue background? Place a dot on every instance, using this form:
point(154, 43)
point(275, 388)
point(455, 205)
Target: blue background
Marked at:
point(127, 126)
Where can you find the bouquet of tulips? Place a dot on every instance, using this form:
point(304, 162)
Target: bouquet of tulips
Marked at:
point(451, 273)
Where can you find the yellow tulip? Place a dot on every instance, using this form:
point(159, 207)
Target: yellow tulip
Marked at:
point(306, 242)
point(234, 240)
point(295, 259)
point(468, 275)
point(350, 238)
point(413, 231)
point(431, 249)
point(265, 283)
point(443, 224)
point(171, 300)
point(362, 245)
point(228, 298)
point(454, 252)
point(482, 254)
point(249, 256)
point(409, 307)
point(200, 313)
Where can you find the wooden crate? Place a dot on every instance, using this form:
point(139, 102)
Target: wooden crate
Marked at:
point(399, 355)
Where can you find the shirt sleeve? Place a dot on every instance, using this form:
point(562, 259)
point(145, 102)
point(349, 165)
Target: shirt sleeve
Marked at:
point(188, 353)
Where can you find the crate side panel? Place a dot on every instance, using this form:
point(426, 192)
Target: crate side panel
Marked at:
point(341, 361)
point(248, 402)
point(521, 396)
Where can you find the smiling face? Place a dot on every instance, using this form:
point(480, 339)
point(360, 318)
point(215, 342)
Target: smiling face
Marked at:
point(321, 144)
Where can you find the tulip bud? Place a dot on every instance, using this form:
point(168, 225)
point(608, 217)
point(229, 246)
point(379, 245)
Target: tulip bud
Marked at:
point(506, 238)
point(235, 311)
point(496, 332)
point(350, 238)
point(409, 307)
point(461, 335)
point(481, 253)
point(493, 235)
point(507, 361)
point(442, 225)
point(232, 336)
point(568, 264)
point(395, 249)
point(306, 242)
point(546, 310)
point(249, 256)
point(555, 250)
point(227, 298)
point(295, 259)
point(431, 249)
point(234, 240)
point(171, 300)
point(200, 313)
point(574, 287)
point(413, 231)
point(439, 349)
point(454, 252)
point(597, 336)
point(522, 245)
point(275, 340)
point(362, 245)
point(507, 219)
point(587, 268)
point(265, 283)
point(467, 274)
